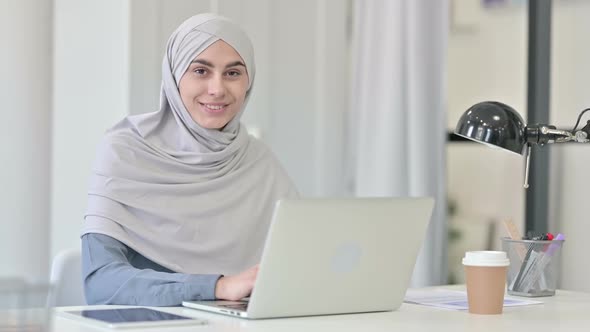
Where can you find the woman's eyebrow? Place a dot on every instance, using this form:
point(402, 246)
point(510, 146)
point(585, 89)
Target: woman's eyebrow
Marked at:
point(235, 63)
point(209, 64)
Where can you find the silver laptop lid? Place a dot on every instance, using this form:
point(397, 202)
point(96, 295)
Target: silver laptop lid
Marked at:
point(326, 256)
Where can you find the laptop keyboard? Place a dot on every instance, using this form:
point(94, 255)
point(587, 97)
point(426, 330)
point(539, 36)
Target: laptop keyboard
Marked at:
point(236, 306)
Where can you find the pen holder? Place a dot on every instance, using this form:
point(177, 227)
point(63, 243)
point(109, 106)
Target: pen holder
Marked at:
point(534, 266)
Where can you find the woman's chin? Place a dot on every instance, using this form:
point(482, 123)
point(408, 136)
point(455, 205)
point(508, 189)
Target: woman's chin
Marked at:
point(212, 120)
point(212, 123)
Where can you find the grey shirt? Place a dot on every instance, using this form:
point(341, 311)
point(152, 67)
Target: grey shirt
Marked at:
point(113, 273)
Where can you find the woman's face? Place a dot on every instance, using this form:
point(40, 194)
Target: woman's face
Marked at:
point(214, 86)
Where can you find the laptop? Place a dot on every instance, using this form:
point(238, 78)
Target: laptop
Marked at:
point(334, 256)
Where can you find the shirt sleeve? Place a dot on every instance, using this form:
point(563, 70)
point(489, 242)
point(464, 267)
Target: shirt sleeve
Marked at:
point(110, 278)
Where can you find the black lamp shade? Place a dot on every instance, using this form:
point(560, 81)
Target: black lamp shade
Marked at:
point(495, 124)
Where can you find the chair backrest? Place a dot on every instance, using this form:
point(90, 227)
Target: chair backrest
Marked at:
point(66, 279)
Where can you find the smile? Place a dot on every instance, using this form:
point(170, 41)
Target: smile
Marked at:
point(214, 108)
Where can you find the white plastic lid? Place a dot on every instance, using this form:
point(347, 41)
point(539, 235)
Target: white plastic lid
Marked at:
point(486, 258)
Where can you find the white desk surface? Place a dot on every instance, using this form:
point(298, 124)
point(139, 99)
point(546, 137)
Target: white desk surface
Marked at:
point(566, 311)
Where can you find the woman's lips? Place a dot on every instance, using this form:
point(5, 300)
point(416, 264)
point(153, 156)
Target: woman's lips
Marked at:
point(214, 108)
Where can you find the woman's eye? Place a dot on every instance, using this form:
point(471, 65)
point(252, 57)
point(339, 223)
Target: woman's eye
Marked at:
point(234, 73)
point(200, 71)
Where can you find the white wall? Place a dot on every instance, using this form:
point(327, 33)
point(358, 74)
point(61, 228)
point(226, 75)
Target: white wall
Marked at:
point(570, 94)
point(91, 84)
point(488, 60)
point(25, 91)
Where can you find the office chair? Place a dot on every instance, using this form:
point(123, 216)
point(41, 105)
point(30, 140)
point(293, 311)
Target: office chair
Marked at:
point(66, 279)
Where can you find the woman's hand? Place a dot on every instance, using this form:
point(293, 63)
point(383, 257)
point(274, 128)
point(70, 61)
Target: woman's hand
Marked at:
point(238, 286)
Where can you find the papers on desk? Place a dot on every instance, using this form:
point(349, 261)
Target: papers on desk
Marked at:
point(456, 300)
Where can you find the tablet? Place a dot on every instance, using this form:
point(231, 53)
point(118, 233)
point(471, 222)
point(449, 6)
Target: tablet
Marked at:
point(130, 317)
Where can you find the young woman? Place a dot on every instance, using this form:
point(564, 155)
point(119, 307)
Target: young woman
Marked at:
point(180, 199)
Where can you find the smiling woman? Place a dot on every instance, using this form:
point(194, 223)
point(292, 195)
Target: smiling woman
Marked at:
point(214, 87)
point(180, 199)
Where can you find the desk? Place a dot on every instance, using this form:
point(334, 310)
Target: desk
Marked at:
point(566, 311)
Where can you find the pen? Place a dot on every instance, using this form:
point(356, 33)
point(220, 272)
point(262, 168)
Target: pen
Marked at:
point(520, 274)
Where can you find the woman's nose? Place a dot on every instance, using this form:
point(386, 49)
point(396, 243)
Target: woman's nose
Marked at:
point(216, 86)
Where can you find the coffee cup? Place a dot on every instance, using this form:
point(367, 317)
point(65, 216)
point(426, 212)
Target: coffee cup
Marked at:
point(485, 274)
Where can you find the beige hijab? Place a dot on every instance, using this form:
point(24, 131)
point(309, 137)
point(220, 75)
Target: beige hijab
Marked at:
point(192, 199)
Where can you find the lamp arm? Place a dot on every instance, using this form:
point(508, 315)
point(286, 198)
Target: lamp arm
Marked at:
point(546, 134)
point(557, 135)
point(542, 134)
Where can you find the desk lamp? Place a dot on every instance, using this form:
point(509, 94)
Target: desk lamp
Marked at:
point(498, 125)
